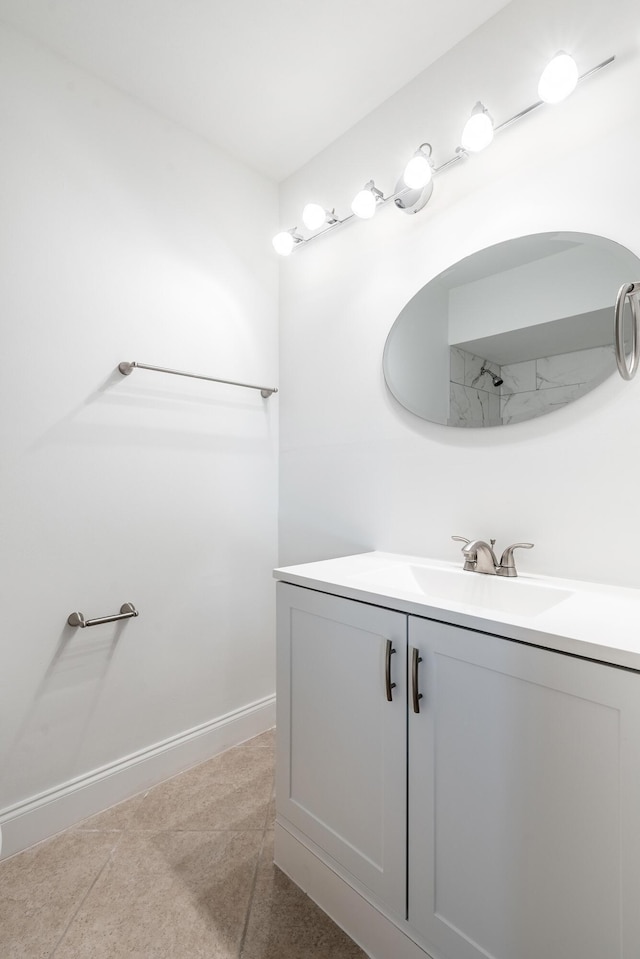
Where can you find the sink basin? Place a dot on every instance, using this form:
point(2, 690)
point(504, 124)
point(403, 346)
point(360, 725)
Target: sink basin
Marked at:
point(518, 596)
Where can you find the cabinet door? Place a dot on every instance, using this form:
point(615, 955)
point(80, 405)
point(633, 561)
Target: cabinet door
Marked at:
point(524, 801)
point(341, 756)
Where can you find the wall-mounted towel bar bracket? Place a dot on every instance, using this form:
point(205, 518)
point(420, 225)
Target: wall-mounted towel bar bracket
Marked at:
point(126, 368)
point(127, 611)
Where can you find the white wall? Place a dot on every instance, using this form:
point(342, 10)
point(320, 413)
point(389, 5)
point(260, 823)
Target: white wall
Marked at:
point(123, 237)
point(357, 471)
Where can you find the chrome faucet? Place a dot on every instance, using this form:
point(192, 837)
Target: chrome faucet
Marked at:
point(480, 558)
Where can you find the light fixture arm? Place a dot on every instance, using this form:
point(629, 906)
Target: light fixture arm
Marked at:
point(421, 149)
point(378, 194)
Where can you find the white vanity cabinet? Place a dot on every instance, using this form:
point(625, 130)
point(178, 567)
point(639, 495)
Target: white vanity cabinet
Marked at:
point(501, 821)
point(341, 771)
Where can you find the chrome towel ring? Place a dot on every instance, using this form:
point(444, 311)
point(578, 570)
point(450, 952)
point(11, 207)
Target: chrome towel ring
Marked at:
point(627, 366)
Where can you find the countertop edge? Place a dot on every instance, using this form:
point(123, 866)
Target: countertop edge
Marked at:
point(474, 620)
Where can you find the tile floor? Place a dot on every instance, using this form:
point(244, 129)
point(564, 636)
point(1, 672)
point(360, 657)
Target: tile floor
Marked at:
point(184, 871)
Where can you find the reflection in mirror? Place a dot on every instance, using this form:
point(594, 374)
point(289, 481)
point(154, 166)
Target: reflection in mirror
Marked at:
point(511, 332)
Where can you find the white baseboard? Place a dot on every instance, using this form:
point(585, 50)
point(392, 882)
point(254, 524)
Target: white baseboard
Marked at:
point(46, 814)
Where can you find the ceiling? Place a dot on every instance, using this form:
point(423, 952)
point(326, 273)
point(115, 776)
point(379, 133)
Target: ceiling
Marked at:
point(271, 83)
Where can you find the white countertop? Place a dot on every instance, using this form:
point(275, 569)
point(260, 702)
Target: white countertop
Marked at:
point(585, 619)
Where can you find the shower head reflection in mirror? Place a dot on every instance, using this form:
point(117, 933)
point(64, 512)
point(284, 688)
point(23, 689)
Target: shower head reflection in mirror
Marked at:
point(511, 332)
point(497, 380)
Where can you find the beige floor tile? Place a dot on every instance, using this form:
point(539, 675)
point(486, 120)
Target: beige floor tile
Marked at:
point(115, 819)
point(285, 924)
point(41, 889)
point(168, 875)
point(243, 764)
point(206, 803)
point(168, 896)
point(271, 813)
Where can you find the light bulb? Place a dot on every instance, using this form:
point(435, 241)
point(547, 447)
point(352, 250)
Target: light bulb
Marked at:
point(283, 243)
point(313, 216)
point(365, 202)
point(418, 171)
point(478, 130)
point(559, 78)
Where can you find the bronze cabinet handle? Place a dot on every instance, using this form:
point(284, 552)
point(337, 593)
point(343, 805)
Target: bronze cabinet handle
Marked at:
point(415, 695)
point(387, 670)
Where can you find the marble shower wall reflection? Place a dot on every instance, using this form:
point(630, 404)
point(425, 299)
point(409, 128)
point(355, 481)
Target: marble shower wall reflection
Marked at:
point(535, 387)
point(529, 389)
point(473, 399)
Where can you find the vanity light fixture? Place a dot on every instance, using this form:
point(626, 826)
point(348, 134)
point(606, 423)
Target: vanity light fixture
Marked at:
point(283, 243)
point(559, 78)
point(314, 216)
point(478, 130)
point(414, 189)
point(365, 203)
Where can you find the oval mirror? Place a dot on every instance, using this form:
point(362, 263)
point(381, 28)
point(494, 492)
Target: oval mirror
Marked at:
point(511, 332)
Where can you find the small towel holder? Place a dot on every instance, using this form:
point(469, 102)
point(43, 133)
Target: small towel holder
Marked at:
point(127, 611)
point(627, 367)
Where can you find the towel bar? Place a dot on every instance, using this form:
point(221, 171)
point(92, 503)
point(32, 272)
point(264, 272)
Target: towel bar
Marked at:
point(126, 368)
point(127, 610)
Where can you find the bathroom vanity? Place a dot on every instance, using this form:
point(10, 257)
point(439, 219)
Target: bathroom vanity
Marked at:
point(458, 760)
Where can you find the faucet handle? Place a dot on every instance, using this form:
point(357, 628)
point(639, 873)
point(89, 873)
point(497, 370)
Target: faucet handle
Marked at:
point(461, 539)
point(507, 565)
